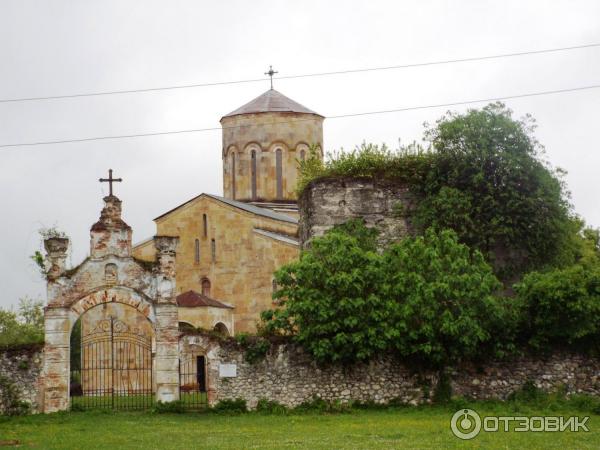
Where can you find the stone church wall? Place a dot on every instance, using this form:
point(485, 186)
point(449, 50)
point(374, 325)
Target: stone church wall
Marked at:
point(382, 204)
point(22, 368)
point(289, 376)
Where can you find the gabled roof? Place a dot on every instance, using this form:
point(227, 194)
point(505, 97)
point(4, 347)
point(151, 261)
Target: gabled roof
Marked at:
point(240, 205)
point(271, 101)
point(191, 299)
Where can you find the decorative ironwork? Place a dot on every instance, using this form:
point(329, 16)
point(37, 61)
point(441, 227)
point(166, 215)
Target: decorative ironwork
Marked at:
point(115, 369)
point(193, 382)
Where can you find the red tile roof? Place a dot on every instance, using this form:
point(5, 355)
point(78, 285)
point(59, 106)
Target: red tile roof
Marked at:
point(191, 299)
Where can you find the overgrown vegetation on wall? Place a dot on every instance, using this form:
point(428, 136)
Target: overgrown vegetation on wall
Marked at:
point(482, 176)
point(428, 298)
point(489, 208)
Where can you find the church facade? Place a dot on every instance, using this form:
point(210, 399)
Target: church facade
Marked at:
point(230, 245)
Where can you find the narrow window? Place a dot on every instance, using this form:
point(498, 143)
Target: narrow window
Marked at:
point(206, 287)
point(278, 173)
point(205, 225)
point(213, 250)
point(197, 251)
point(253, 173)
point(302, 155)
point(233, 175)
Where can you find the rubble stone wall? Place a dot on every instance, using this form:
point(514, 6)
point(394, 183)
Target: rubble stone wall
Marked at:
point(289, 376)
point(382, 204)
point(22, 368)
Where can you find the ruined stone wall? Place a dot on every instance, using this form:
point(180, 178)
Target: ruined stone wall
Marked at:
point(22, 368)
point(289, 376)
point(383, 204)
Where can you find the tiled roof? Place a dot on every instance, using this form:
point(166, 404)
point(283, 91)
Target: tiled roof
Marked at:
point(192, 299)
point(271, 101)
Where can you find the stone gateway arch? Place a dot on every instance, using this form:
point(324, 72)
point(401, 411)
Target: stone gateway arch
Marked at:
point(127, 312)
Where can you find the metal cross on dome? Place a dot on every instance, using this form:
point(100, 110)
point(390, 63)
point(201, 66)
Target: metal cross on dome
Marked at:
point(271, 72)
point(110, 180)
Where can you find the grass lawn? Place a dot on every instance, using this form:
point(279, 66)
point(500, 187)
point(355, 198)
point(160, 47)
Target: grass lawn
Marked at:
point(423, 427)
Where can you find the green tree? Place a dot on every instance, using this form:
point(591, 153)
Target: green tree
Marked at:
point(26, 326)
point(562, 308)
point(330, 301)
point(490, 185)
point(445, 308)
point(428, 298)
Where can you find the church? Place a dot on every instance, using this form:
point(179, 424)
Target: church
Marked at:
point(230, 244)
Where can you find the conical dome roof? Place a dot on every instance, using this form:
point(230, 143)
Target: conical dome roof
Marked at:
point(271, 101)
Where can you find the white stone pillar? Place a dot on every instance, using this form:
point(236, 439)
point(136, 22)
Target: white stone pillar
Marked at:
point(167, 322)
point(56, 359)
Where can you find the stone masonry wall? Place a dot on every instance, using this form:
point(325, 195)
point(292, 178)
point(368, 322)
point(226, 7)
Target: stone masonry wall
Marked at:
point(23, 368)
point(382, 204)
point(289, 376)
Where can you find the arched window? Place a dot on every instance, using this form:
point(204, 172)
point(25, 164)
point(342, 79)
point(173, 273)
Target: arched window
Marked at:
point(233, 175)
point(206, 287)
point(253, 173)
point(213, 250)
point(221, 328)
point(278, 173)
point(205, 224)
point(302, 155)
point(196, 251)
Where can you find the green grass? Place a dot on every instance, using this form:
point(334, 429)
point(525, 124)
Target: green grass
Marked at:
point(190, 400)
point(422, 427)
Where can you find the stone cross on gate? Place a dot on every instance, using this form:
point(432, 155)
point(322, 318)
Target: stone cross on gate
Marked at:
point(271, 72)
point(110, 180)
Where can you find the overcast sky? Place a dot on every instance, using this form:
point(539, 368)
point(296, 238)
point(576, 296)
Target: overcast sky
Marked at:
point(68, 47)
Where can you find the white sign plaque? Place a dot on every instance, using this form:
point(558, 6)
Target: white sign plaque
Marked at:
point(227, 370)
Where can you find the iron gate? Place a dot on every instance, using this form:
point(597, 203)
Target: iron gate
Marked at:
point(193, 382)
point(115, 369)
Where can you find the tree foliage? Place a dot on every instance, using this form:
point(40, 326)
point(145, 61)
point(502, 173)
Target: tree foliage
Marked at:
point(482, 176)
point(561, 308)
point(331, 301)
point(490, 184)
point(444, 307)
point(25, 326)
point(428, 298)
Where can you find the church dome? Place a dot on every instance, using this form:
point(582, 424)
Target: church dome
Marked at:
point(271, 101)
point(263, 142)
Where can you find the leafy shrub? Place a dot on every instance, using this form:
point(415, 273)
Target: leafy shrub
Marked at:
point(428, 298)
point(255, 347)
point(174, 407)
point(230, 406)
point(444, 309)
point(331, 301)
point(270, 407)
point(10, 398)
point(562, 308)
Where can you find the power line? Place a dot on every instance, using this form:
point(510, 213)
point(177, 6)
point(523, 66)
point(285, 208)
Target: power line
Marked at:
point(339, 116)
point(307, 75)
